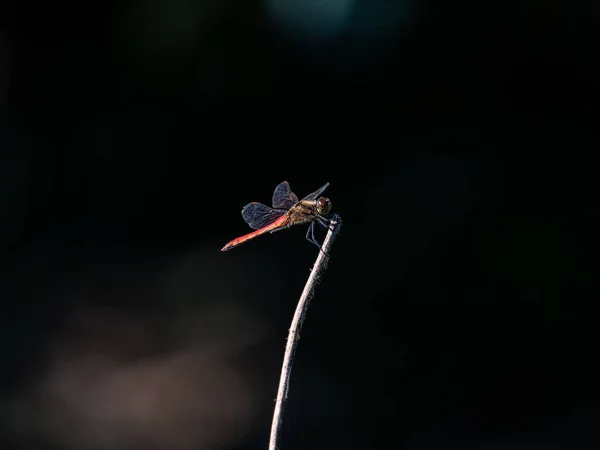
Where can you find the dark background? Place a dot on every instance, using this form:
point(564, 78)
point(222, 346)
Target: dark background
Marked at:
point(458, 309)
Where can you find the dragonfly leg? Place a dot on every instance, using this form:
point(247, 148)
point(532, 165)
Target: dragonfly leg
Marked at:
point(310, 236)
point(323, 222)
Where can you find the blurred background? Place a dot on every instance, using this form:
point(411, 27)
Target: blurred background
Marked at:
point(457, 311)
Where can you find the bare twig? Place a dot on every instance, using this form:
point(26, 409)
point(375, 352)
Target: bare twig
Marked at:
point(293, 335)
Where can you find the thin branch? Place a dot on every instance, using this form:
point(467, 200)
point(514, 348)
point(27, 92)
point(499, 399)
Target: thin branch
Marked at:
point(293, 335)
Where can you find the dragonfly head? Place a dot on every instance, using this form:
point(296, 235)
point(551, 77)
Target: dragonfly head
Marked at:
point(323, 206)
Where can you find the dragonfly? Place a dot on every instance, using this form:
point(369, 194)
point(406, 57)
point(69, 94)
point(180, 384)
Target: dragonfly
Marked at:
point(287, 210)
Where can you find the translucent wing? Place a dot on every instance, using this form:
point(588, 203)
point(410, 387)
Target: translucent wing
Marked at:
point(316, 194)
point(258, 215)
point(283, 197)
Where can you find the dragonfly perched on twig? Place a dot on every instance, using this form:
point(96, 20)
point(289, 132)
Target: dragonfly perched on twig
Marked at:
point(287, 210)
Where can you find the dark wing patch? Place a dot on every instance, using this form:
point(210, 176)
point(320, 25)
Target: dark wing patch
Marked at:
point(315, 194)
point(258, 215)
point(283, 197)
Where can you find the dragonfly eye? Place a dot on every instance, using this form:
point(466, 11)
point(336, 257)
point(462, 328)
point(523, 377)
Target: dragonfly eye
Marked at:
point(323, 205)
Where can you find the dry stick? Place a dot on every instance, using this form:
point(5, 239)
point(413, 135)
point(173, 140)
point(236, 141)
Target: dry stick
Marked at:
point(293, 335)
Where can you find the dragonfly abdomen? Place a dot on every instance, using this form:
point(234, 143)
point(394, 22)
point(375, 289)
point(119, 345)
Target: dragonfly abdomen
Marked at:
point(277, 225)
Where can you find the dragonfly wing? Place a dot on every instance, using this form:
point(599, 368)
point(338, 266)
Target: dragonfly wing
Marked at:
point(316, 194)
point(258, 215)
point(283, 197)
